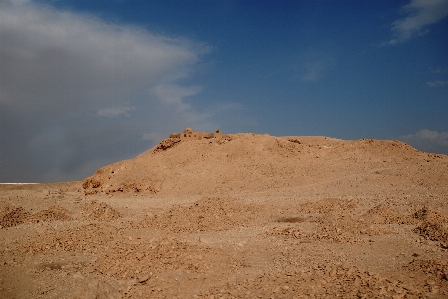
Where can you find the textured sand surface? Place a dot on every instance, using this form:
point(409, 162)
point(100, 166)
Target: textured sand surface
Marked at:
point(242, 216)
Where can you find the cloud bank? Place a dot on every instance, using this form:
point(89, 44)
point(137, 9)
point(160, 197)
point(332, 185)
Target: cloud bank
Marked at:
point(419, 15)
point(74, 87)
point(429, 141)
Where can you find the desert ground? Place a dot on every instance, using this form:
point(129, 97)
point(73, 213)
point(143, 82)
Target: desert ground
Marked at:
point(240, 216)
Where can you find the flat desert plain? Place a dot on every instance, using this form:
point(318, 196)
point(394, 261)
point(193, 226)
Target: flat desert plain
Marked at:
point(241, 216)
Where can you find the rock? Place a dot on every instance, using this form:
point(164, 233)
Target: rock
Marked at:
point(143, 278)
point(332, 272)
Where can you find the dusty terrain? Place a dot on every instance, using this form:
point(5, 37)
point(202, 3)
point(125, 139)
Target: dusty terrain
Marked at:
point(242, 216)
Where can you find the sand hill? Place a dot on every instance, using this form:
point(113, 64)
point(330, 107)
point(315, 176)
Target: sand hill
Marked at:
point(237, 216)
point(249, 162)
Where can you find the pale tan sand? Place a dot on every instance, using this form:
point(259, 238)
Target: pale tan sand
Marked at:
point(239, 216)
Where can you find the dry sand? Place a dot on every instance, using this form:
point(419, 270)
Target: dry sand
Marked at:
point(242, 216)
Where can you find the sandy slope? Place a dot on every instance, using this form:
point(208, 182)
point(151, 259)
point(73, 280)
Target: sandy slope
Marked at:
point(243, 216)
point(247, 162)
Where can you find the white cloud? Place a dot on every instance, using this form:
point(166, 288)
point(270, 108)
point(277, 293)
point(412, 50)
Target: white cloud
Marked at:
point(437, 83)
point(315, 65)
point(437, 70)
point(115, 111)
point(65, 69)
point(426, 140)
point(54, 56)
point(174, 94)
point(432, 135)
point(419, 15)
point(314, 72)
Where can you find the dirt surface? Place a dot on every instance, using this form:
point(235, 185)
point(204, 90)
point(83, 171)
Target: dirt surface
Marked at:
point(242, 216)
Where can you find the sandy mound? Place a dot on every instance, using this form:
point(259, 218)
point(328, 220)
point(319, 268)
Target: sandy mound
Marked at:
point(433, 227)
point(383, 214)
point(208, 166)
point(344, 227)
point(142, 261)
point(91, 237)
point(334, 226)
point(50, 214)
point(99, 211)
point(430, 215)
point(12, 216)
point(434, 232)
point(436, 269)
point(207, 214)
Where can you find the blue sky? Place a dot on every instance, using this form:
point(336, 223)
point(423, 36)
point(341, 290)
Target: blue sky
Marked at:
point(87, 83)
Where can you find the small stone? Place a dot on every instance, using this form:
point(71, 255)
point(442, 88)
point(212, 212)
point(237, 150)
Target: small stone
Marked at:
point(434, 289)
point(143, 278)
point(345, 266)
point(332, 272)
point(204, 240)
point(398, 290)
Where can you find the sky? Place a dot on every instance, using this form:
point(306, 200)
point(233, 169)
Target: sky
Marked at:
point(85, 83)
